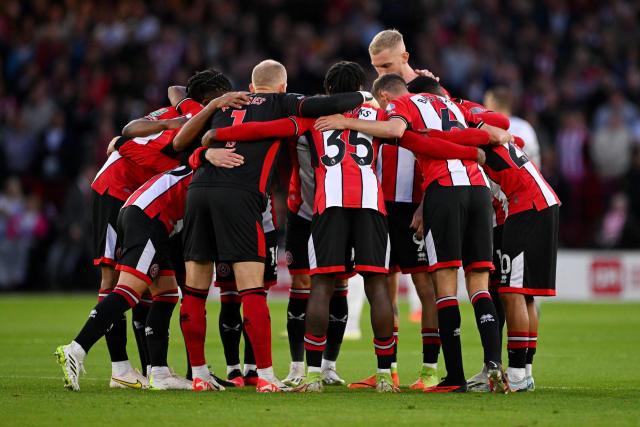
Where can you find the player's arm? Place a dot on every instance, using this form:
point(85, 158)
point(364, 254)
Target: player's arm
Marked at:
point(323, 105)
point(144, 155)
point(487, 117)
point(220, 157)
point(145, 126)
point(176, 94)
point(438, 148)
point(194, 127)
point(390, 129)
point(253, 131)
point(469, 136)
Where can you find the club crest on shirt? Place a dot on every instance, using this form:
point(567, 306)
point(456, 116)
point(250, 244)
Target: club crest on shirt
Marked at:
point(230, 144)
point(289, 257)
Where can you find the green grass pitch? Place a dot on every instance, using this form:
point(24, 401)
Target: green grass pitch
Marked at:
point(587, 373)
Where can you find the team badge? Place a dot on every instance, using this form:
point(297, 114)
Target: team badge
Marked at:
point(223, 269)
point(118, 252)
point(289, 257)
point(154, 270)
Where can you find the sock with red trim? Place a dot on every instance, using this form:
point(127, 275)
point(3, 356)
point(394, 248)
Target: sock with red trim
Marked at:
point(193, 323)
point(157, 327)
point(384, 349)
point(139, 315)
point(230, 326)
point(314, 347)
point(116, 335)
point(449, 323)
point(257, 323)
point(112, 307)
point(517, 345)
point(430, 345)
point(296, 313)
point(487, 323)
point(338, 316)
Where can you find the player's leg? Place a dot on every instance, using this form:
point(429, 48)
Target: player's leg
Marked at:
point(165, 297)
point(532, 310)
point(200, 249)
point(105, 211)
point(296, 312)
point(393, 285)
point(477, 258)
point(372, 252)
point(139, 315)
point(355, 302)
point(338, 317)
point(430, 335)
point(230, 327)
point(70, 357)
point(327, 248)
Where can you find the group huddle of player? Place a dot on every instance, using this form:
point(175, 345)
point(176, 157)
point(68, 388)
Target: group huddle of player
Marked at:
point(413, 181)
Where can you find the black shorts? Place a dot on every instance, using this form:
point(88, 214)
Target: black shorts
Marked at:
point(496, 275)
point(145, 250)
point(458, 227)
point(345, 238)
point(408, 253)
point(223, 224)
point(105, 210)
point(226, 280)
point(297, 244)
point(529, 252)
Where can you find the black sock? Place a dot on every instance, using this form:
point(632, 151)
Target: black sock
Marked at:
point(158, 323)
point(487, 322)
point(430, 345)
point(449, 323)
point(296, 310)
point(314, 347)
point(517, 345)
point(116, 335)
point(384, 349)
point(104, 314)
point(139, 315)
point(497, 302)
point(338, 315)
point(230, 326)
point(533, 344)
point(249, 357)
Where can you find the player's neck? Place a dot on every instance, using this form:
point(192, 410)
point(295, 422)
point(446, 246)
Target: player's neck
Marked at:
point(264, 89)
point(407, 73)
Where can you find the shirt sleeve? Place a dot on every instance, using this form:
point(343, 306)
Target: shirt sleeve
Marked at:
point(399, 109)
point(146, 156)
point(162, 113)
point(189, 106)
point(437, 148)
point(470, 136)
point(282, 128)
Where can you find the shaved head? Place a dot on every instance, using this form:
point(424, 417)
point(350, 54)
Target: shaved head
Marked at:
point(268, 73)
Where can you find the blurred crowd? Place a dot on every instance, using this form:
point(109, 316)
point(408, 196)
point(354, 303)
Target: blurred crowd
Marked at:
point(73, 72)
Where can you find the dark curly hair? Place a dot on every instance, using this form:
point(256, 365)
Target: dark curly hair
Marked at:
point(208, 83)
point(344, 76)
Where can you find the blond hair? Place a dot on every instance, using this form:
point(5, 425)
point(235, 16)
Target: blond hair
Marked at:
point(268, 73)
point(387, 39)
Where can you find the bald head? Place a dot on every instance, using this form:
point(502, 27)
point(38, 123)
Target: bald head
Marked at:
point(269, 74)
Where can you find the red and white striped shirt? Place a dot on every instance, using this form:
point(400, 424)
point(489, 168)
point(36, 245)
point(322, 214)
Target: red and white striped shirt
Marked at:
point(519, 179)
point(302, 186)
point(426, 111)
point(345, 162)
point(399, 174)
point(164, 197)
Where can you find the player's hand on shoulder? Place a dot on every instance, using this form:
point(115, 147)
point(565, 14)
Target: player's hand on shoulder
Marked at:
point(426, 73)
point(112, 145)
point(232, 99)
point(482, 157)
point(224, 157)
point(335, 121)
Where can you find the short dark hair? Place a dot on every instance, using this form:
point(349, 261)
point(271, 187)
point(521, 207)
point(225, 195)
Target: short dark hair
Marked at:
point(431, 85)
point(388, 82)
point(205, 83)
point(344, 76)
